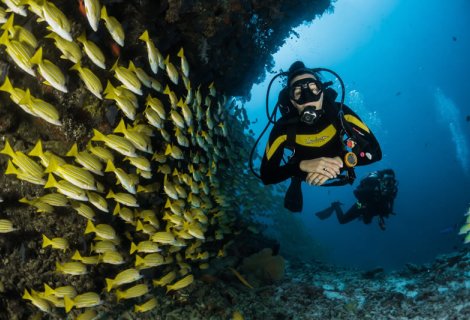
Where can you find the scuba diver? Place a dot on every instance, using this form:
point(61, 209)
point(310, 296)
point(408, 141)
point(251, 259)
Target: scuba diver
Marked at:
point(375, 196)
point(326, 138)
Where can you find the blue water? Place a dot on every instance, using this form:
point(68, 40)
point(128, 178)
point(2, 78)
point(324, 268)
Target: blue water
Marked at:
point(405, 65)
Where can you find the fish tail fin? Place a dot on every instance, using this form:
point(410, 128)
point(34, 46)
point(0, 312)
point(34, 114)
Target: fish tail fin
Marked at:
point(4, 38)
point(51, 182)
point(89, 227)
point(82, 38)
point(11, 169)
point(53, 165)
point(8, 25)
point(98, 136)
point(121, 127)
point(77, 256)
point(8, 150)
point(139, 226)
point(73, 152)
point(110, 194)
point(27, 295)
point(139, 260)
point(109, 166)
point(109, 284)
point(37, 57)
point(104, 13)
point(145, 36)
point(180, 53)
point(134, 249)
point(168, 149)
point(116, 210)
point(48, 291)
point(6, 86)
point(68, 304)
point(46, 241)
point(37, 150)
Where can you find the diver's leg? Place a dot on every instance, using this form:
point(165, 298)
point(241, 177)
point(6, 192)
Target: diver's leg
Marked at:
point(353, 213)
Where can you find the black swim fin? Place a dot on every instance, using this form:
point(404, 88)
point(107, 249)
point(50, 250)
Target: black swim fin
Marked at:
point(324, 214)
point(293, 199)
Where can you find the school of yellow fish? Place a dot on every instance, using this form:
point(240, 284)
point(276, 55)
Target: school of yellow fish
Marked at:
point(175, 144)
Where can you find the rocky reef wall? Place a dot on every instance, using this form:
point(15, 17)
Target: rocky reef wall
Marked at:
point(227, 46)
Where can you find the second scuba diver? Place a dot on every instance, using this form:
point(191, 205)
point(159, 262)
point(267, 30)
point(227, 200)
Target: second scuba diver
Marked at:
point(313, 127)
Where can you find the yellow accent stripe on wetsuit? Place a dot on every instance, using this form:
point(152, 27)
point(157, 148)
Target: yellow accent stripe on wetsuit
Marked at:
point(271, 149)
point(355, 121)
point(307, 140)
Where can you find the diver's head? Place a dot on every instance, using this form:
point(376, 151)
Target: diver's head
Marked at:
point(305, 91)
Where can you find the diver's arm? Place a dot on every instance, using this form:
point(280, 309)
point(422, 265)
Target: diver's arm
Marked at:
point(367, 148)
point(271, 169)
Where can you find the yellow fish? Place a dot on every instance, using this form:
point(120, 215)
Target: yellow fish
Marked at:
point(171, 70)
point(123, 198)
point(141, 163)
point(20, 33)
point(145, 246)
point(133, 292)
point(83, 210)
point(156, 105)
point(163, 237)
point(56, 19)
point(84, 300)
point(55, 243)
point(139, 140)
point(40, 303)
point(60, 292)
point(149, 261)
point(26, 176)
point(105, 231)
point(117, 143)
point(124, 277)
point(87, 160)
point(128, 78)
point(39, 205)
point(93, 13)
point(6, 226)
point(169, 277)
point(25, 163)
point(146, 306)
point(41, 108)
point(92, 82)
point(86, 260)
point(154, 56)
point(112, 257)
point(75, 175)
point(184, 63)
point(103, 246)
point(19, 52)
point(102, 153)
point(113, 26)
point(123, 102)
point(126, 180)
point(153, 118)
point(49, 71)
point(180, 284)
point(69, 49)
point(92, 51)
point(66, 188)
point(73, 268)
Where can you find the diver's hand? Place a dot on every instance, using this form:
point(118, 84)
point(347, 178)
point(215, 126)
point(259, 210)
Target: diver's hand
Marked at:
point(328, 167)
point(316, 179)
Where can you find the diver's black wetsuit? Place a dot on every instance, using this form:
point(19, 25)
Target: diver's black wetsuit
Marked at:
point(322, 139)
point(375, 194)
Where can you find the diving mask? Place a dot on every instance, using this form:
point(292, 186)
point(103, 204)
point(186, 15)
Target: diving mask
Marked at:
point(306, 90)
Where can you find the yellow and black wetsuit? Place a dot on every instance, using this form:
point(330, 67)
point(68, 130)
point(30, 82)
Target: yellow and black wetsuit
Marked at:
point(323, 139)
